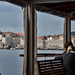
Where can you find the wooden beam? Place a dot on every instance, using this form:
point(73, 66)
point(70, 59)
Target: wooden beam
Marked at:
point(30, 53)
point(26, 43)
point(66, 8)
point(50, 1)
point(62, 4)
point(44, 54)
point(17, 2)
point(67, 28)
point(35, 43)
point(50, 11)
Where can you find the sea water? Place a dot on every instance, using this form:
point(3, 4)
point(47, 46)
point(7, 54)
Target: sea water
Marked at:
point(12, 64)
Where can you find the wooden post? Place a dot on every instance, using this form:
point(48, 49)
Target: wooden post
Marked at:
point(30, 30)
point(67, 28)
point(36, 71)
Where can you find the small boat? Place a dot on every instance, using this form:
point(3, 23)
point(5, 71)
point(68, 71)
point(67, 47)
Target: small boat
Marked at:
point(12, 48)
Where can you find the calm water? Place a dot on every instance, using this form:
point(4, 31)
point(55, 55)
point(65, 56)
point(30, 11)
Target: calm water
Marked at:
point(12, 64)
point(48, 51)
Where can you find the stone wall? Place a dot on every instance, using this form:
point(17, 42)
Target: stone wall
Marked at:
point(73, 41)
point(50, 44)
point(40, 44)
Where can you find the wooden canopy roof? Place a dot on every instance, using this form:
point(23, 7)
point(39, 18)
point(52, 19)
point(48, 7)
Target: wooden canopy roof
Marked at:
point(56, 7)
point(59, 9)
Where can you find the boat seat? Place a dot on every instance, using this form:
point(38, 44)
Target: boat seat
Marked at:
point(50, 67)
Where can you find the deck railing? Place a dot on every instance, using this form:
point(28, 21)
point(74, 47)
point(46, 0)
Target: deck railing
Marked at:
point(45, 55)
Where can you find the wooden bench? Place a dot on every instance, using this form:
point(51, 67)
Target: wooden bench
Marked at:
point(50, 67)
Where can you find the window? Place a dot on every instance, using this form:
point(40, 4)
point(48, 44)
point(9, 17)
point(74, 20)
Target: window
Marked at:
point(49, 33)
point(11, 39)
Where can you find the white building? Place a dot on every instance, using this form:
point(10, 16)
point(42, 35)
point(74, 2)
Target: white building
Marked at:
point(21, 41)
point(16, 40)
point(7, 40)
point(1, 36)
point(48, 38)
point(52, 38)
point(8, 35)
point(73, 41)
point(60, 37)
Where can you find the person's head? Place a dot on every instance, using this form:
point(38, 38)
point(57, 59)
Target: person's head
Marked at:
point(67, 44)
point(70, 48)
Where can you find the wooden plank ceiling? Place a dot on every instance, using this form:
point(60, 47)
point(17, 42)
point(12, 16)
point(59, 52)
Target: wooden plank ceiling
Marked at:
point(59, 9)
point(17, 2)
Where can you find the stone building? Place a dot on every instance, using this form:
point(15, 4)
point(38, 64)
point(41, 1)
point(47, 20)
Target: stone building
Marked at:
point(11, 41)
point(21, 41)
point(50, 44)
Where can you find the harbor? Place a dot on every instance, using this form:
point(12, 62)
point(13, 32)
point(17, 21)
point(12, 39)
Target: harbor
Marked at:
point(11, 62)
point(29, 63)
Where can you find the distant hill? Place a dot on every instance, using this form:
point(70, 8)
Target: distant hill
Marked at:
point(73, 33)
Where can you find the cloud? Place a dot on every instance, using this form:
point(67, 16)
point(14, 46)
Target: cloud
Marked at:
point(11, 17)
point(49, 24)
point(8, 7)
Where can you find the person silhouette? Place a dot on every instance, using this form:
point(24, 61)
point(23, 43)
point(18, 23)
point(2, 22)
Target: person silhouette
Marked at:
point(68, 59)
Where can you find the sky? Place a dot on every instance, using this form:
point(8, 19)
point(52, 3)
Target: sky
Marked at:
point(11, 19)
